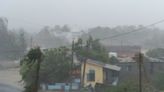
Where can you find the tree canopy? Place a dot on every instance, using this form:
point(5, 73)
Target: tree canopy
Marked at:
point(159, 81)
point(91, 49)
point(30, 66)
point(55, 66)
point(156, 53)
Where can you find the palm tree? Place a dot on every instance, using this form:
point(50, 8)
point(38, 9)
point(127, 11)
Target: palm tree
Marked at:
point(31, 61)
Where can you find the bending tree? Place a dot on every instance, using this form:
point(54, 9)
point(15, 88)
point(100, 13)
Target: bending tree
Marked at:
point(55, 66)
point(30, 66)
point(91, 49)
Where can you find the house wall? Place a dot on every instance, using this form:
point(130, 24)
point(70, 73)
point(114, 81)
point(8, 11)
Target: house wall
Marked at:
point(130, 69)
point(110, 76)
point(98, 74)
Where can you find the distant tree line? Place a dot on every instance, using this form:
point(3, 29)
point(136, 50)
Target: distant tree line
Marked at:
point(50, 37)
point(12, 44)
point(153, 39)
point(156, 53)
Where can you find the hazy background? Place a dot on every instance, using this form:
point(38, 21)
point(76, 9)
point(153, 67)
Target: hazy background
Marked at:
point(32, 15)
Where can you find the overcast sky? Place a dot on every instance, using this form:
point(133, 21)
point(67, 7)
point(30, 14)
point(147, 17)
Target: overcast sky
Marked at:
point(33, 14)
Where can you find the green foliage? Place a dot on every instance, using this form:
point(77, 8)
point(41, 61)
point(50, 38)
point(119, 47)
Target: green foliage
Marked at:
point(34, 54)
point(113, 60)
point(126, 86)
point(130, 85)
point(28, 73)
point(91, 49)
point(55, 66)
point(29, 69)
point(156, 53)
point(159, 81)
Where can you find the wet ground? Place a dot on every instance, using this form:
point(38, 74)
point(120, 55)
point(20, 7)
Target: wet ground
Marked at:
point(8, 88)
point(9, 77)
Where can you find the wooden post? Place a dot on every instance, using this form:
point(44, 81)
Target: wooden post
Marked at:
point(72, 66)
point(83, 77)
point(140, 62)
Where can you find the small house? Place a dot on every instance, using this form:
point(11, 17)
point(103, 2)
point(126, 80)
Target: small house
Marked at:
point(124, 51)
point(93, 72)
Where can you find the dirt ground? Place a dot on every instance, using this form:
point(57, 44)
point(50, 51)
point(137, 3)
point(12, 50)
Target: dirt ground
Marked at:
point(9, 73)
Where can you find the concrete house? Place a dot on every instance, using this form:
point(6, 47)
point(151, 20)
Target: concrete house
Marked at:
point(96, 72)
point(129, 68)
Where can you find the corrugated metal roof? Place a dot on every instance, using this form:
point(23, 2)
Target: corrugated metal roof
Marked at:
point(112, 67)
point(108, 66)
point(95, 62)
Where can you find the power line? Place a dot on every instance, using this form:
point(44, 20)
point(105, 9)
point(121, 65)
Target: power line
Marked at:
point(122, 34)
point(117, 35)
point(140, 29)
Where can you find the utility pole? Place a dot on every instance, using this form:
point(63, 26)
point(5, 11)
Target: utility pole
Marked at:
point(139, 59)
point(72, 66)
point(83, 77)
point(140, 62)
point(84, 66)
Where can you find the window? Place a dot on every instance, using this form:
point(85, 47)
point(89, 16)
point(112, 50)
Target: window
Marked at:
point(151, 67)
point(129, 68)
point(114, 74)
point(91, 75)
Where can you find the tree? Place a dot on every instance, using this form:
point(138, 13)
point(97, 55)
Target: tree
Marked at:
point(114, 60)
point(22, 40)
point(126, 86)
point(47, 39)
point(65, 28)
point(159, 81)
point(12, 45)
point(57, 28)
point(30, 67)
point(156, 53)
point(130, 85)
point(4, 38)
point(55, 66)
point(91, 49)
point(153, 39)
point(3, 24)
